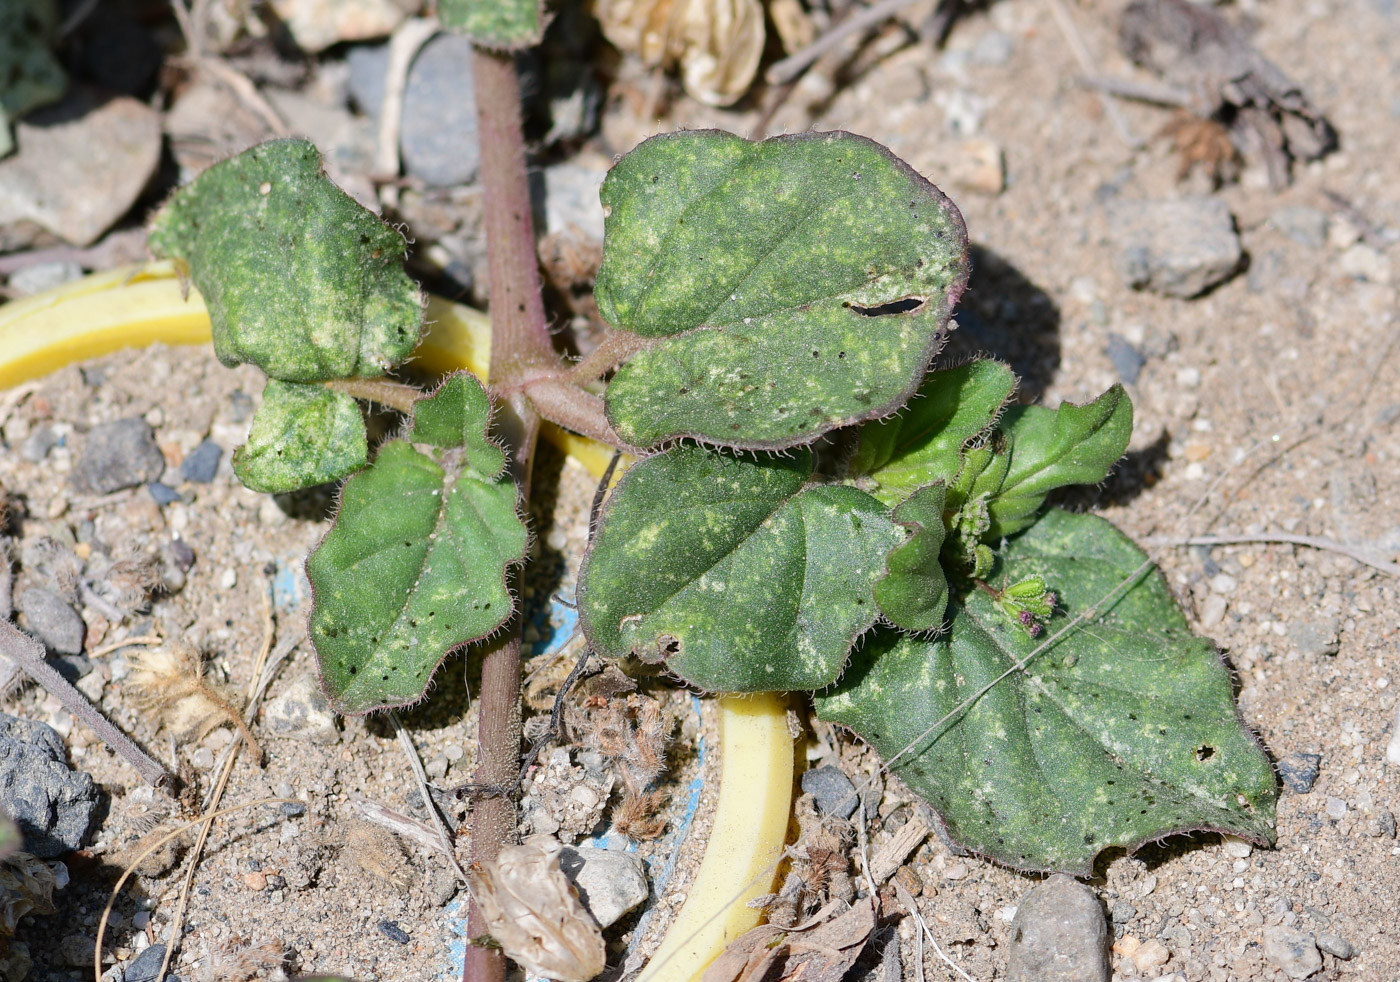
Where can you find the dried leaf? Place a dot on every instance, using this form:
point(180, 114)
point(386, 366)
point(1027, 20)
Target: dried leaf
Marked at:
point(533, 911)
point(717, 43)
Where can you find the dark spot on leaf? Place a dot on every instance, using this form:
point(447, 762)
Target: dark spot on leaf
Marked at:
point(904, 305)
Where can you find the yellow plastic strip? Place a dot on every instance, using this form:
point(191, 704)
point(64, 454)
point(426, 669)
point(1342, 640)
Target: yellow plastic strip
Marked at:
point(751, 823)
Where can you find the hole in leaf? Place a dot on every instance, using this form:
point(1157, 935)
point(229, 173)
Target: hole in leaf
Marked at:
point(1204, 753)
point(668, 645)
point(904, 305)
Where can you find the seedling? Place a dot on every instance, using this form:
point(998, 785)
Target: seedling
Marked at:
point(813, 508)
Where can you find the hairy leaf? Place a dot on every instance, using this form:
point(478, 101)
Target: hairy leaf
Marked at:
point(300, 280)
point(924, 442)
point(914, 594)
point(732, 572)
point(415, 564)
point(1123, 730)
point(1048, 449)
point(784, 288)
point(500, 25)
point(302, 435)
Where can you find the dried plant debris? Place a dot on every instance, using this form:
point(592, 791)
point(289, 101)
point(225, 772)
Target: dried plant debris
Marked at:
point(1211, 69)
point(533, 912)
point(27, 884)
point(377, 851)
point(565, 799)
point(716, 43)
point(171, 684)
point(823, 949)
point(639, 814)
point(239, 960)
point(820, 871)
point(629, 728)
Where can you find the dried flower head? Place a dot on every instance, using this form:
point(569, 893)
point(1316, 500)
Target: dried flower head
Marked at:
point(170, 683)
point(639, 816)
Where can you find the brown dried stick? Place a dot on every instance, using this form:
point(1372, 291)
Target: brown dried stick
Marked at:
point(28, 654)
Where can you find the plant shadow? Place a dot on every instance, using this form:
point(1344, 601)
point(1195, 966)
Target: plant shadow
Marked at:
point(1130, 477)
point(1006, 316)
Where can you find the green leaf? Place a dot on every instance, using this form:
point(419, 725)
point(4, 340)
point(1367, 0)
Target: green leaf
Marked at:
point(732, 572)
point(416, 562)
point(302, 435)
point(1054, 449)
point(452, 416)
point(914, 594)
point(783, 288)
point(300, 280)
point(923, 444)
point(1122, 731)
point(500, 25)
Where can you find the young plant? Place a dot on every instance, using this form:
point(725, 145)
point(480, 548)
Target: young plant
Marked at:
point(813, 510)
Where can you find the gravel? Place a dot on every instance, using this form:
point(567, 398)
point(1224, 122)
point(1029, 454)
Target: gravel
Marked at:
point(833, 791)
point(52, 804)
point(1299, 771)
point(1295, 952)
point(1305, 226)
point(1127, 360)
point(1180, 247)
point(1315, 638)
point(610, 883)
point(202, 463)
point(1059, 935)
point(301, 712)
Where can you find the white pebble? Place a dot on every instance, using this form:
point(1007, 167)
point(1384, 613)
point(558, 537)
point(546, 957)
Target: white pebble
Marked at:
point(1236, 847)
point(1213, 611)
point(1150, 956)
point(1188, 378)
point(557, 540)
point(956, 872)
point(1223, 583)
point(453, 753)
point(1336, 808)
point(1392, 750)
point(202, 759)
point(230, 579)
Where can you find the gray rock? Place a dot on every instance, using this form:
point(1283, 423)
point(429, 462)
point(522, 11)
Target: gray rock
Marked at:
point(44, 276)
point(1336, 945)
point(1305, 226)
point(143, 967)
point(609, 882)
point(1299, 771)
point(202, 463)
point(302, 713)
point(52, 621)
point(1127, 360)
point(81, 165)
point(437, 137)
point(571, 200)
point(1180, 247)
point(1295, 952)
point(833, 790)
point(117, 455)
point(52, 804)
point(1313, 639)
point(37, 445)
point(1059, 935)
point(1122, 912)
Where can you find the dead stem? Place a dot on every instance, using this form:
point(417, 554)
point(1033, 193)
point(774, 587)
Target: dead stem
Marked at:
point(28, 654)
point(1311, 541)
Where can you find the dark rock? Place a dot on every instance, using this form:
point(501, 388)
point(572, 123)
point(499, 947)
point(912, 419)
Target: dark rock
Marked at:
point(1177, 246)
point(1299, 771)
point(52, 621)
point(1059, 935)
point(1313, 639)
point(1127, 360)
point(437, 136)
point(117, 455)
point(163, 494)
point(52, 804)
point(143, 967)
point(202, 463)
point(118, 53)
point(833, 791)
point(391, 930)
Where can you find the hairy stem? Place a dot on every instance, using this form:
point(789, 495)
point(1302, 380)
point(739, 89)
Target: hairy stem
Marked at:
point(520, 347)
point(572, 408)
point(395, 395)
point(28, 654)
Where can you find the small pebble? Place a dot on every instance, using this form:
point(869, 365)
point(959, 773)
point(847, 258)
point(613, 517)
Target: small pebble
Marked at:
point(229, 579)
point(255, 881)
point(44, 276)
point(1188, 378)
point(1150, 956)
point(1315, 638)
point(832, 789)
point(145, 966)
point(1059, 935)
point(141, 919)
point(437, 768)
point(202, 463)
point(1299, 771)
point(52, 621)
point(1295, 952)
point(391, 930)
point(453, 752)
point(1223, 583)
point(1127, 360)
point(1122, 912)
point(1236, 847)
point(1336, 945)
point(1213, 610)
point(163, 494)
point(609, 882)
point(117, 455)
point(300, 711)
point(956, 872)
point(1336, 808)
point(1392, 749)
point(37, 445)
point(1305, 226)
point(1180, 247)
point(202, 759)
